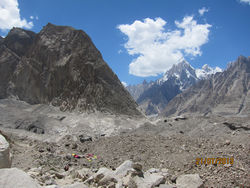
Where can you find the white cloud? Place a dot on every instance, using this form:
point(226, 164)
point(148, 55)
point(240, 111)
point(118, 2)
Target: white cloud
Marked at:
point(124, 84)
point(202, 11)
point(10, 16)
point(156, 49)
point(245, 1)
point(119, 51)
point(32, 17)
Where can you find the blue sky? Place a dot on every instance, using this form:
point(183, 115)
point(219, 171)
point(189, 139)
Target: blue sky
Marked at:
point(143, 38)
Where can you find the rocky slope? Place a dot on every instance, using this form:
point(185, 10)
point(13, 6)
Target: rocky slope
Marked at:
point(136, 90)
point(154, 97)
point(226, 93)
point(60, 66)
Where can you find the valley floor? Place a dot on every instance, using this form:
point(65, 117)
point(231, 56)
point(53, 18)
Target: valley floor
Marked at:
point(166, 143)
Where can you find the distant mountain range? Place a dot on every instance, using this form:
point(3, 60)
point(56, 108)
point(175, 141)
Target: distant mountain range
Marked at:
point(154, 96)
point(225, 93)
point(60, 66)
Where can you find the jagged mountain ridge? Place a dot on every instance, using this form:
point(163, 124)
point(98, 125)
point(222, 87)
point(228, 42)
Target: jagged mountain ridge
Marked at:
point(206, 71)
point(136, 90)
point(60, 66)
point(225, 93)
point(181, 76)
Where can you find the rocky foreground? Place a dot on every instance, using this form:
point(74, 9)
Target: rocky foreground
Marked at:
point(160, 153)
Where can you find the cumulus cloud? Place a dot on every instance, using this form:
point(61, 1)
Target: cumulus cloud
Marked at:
point(10, 16)
point(124, 84)
point(156, 49)
point(202, 11)
point(245, 1)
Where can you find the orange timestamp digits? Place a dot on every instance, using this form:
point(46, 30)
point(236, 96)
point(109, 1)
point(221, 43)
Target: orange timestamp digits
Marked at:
point(209, 161)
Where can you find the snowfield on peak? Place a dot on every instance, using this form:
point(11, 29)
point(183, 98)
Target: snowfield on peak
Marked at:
point(206, 71)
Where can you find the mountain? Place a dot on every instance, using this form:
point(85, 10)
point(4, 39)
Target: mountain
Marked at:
point(60, 66)
point(225, 93)
point(183, 73)
point(206, 71)
point(153, 98)
point(136, 90)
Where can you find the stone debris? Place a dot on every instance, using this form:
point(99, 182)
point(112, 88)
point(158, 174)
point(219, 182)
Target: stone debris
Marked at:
point(189, 180)
point(126, 175)
point(5, 159)
point(15, 178)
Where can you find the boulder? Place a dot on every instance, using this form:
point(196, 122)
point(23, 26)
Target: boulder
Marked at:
point(167, 186)
point(84, 173)
point(189, 180)
point(149, 180)
point(75, 185)
point(123, 169)
point(5, 159)
point(128, 181)
point(104, 176)
point(15, 178)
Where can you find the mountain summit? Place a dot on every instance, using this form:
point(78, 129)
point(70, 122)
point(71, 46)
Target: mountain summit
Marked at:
point(154, 97)
point(206, 71)
point(226, 93)
point(60, 66)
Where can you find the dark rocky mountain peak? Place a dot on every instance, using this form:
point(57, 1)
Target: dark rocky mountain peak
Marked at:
point(61, 66)
point(19, 40)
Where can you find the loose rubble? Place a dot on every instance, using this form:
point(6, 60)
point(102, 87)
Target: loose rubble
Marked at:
point(153, 155)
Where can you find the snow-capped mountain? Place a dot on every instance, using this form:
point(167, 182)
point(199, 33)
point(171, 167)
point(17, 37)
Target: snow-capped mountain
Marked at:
point(183, 74)
point(206, 71)
point(153, 97)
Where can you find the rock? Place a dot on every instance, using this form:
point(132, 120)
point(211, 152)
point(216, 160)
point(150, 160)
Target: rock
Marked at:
point(123, 169)
point(52, 186)
point(227, 142)
point(15, 178)
point(74, 146)
point(128, 181)
point(149, 180)
point(5, 159)
point(106, 180)
point(50, 182)
point(85, 139)
point(111, 185)
point(84, 173)
point(173, 178)
point(137, 166)
point(153, 170)
point(103, 173)
point(167, 186)
point(164, 172)
point(59, 175)
point(34, 172)
point(189, 180)
point(76, 185)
